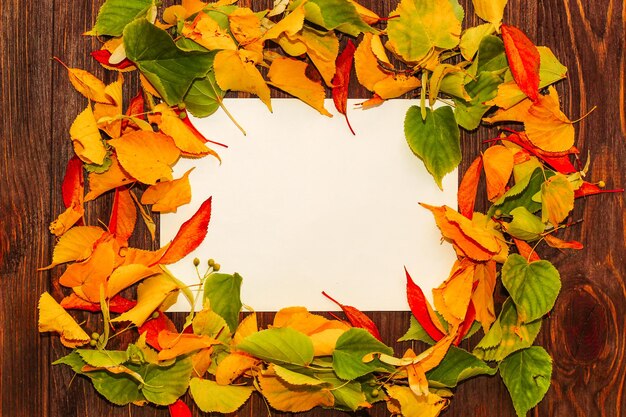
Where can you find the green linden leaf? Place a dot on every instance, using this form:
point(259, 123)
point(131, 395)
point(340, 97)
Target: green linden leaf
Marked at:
point(279, 346)
point(349, 396)
point(491, 55)
point(527, 375)
point(336, 14)
point(469, 114)
point(223, 292)
point(214, 398)
point(458, 365)
point(73, 360)
point(533, 286)
point(453, 84)
point(471, 39)
point(103, 358)
point(506, 335)
point(114, 15)
point(350, 349)
point(120, 389)
point(416, 332)
point(521, 194)
point(436, 140)
point(169, 69)
point(209, 323)
point(525, 225)
point(296, 376)
point(422, 26)
point(164, 385)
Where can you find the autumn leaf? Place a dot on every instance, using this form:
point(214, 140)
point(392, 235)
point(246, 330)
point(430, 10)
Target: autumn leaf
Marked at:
point(453, 296)
point(151, 293)
point(72, 189)
point(147, 156)
point(290, 24)
point(179, 409)
point(233, 366)
point(86, 138)
point(526, 251)
point(498, 165)
point(189, 236)
point(117, 304)
point(184, 137)
point(114, 177)
point(555, 242)
point(147, 218)
point(126, 275)
point(490, 10)
point(214, 398)
point(341, 80)
point(207, 32)
point(588, 188)
point(53, 318)
point(295, 399)
point(357, 318)
point(103, 56)
point(108, 115)
point(167, 196)
point(235, 70)
point(482, 296)
point(367, 15)
point(289, 75)
point(523, 58)
point(174, 344)
point(87, 84)
point(336, 14)
point(412, 405)
point(557, 199)
point(421, 309)
point(75, 245)
point(154, 326)
point(245, 25)
point(466, 196)
point(300, 319)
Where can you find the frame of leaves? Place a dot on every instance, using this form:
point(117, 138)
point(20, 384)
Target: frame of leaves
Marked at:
point(188, 58)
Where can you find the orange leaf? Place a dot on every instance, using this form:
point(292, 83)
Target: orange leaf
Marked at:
point(421, 309)
point(75, 245)
point(245, 26)
point(452, 297)
point(498, 162)
point(555, 242)
point(147, 156)
point(208, 33)
point(293, 399)
point(235, 70)
point(53, 318)
point(525, 250)
point(341, 80)
point(167, 196)
point(151, 293)
point(112, 178)
point(466, 196)
point(126, 275)
point(107, 115)
point(300, 319)
point(174, 344)
point(233, 366)
point(482, 297)
point(73, 189)
point(184, 137)
point(523, 58)
point(123, 216)
point(87, 84)
point(357, 318)
point(190, 235)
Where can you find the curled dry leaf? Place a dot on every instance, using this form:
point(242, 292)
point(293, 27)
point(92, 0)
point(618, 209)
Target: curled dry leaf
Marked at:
point(167, 196)
point(498, 164)
point(86, 138)
point(53, 318)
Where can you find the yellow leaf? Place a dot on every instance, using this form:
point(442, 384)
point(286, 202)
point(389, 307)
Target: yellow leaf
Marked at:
point(126, 275)
point(366, 14)
point(246, 327)
point(396, 85)
point(300, 319)
point(233, 366)
point(147, 156)
point(147, 87)
point(490, 10)
point(482, 297)
point(289, 75)
point(202, 361)
point(322, 48)
point(87, 84)
point(174, 344)
point(183, 136)
point(366, 65)
point(245, 26)
point(150, 295)
point(67, 219)
point(86, 138)
point(108, 115)
point(53, 318)
point(291, 24)
point(167, 196)
point(452, 297)
point(324, 341)
point(175, 14)
point(498, 164)
point(143, 257)
point(235, 71)
point(412, 405)
point(557, 199)
point(75, 245)
point(293, 399)
point(208, 33)
point(112, 178)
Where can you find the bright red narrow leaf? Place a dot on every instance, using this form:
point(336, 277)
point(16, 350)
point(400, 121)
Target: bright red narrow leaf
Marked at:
point(123, 215)
point(341, 80)
point(419, 308)
point(357, 318)
point(73, 183)
point(470, 316)
point(117, 304)
point(523, 58)
point(591, 189)
point(179, 409)
point(526, 251)
point(154, 327)
point(103, 56)
point(466, 197)
point(190, 235)
point(559, 161)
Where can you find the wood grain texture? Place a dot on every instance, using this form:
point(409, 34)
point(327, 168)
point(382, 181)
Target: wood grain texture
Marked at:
point(586, 332)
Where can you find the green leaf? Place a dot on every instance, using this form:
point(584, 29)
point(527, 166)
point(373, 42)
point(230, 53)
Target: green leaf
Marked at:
point(533, 286)
point(527, 374)
point(416, 332)
point(296, 377)
point(336, 14)
point(521, 194)
point(525, 225)
point(422, 26)
point(350, 349)
point(169, 69)
point(114, 15)
point(453, 84)
point(72, 360)
point(469, 114)
point(458, 365)
point(280, 346)
point(349, 396)
point(120, 389)
point(436, 140)
point(491, 55)
point(223, 292)
point(471, 39)
point(214, 398)
point(204, 96)
point(103, 358)
point(164, 385)
point(506, 335)
point(209, 323)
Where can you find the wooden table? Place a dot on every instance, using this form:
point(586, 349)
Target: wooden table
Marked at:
point(586, 333)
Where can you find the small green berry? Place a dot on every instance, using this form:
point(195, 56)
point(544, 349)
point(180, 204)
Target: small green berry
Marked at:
point(601, 184)
point(211, 262)
point(95, 336)
point(155, 315)
point(182, 116)
point(498, 213)
point(92, 343)
point(375, 392)
point(196, 261)
point(216, 267)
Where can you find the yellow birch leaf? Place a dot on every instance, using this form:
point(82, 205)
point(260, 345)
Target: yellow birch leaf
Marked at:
point(167, 196)
point(174, 344)
point(54, 318)
point(75, 245)
point(183, 136)
point(322, 49)
point(289, 75)
point(87, 84)
point(126, 275)
point(396, 85)
point(547, 127)
point(247, 326)
point(234, 71)
point(207, 32)
point(482, 297)
point(452, 297)
point(490, 10)
point(557, 199)
point(107, 115)
point(498, 164)
point(291, 45)
point(86, 138)
point(294, 399)
point(412, 405)
point(368, 71)
point(112, 178)
point(233, 366)
point(291, 24)
point(147, 156)
point(150, 295)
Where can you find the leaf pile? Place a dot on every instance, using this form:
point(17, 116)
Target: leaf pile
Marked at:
point(187, 58)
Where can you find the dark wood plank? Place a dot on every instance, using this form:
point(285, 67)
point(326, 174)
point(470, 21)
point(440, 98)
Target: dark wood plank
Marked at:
point(585, 334)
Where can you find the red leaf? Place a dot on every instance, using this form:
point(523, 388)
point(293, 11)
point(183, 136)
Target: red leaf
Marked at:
point(73, 185)
point(466, 196)
point(555, 242)
point(591, 189)
point(419, 308)
point(103, 56)
point(526, 251)
point(179, 409)
point(154, 327)
point(523, 58)
point(465, 327)
point(117, 304)
point(123, 215)
point(190, 235)
point(135, 109)
point(559, 161)
point(357, 318)
point(341, 80)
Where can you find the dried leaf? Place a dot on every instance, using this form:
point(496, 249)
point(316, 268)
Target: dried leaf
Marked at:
point(126, 275)
point(235, 70)
point(482, 297)
point(523, 58)
point(466, 196)
point(167, 196)
point(87, 84)
point(452, 297)
point(357, 318)
point(174, 344)
point(295, 399)
point(498, 164)
point(75, 245)
point(341, 80)
point(150, 295)
point(53, 318)
point(86, 138)
point(184, 137)
point(112, 178)
point(233, 366)
point(421, 309)
point(557, 199)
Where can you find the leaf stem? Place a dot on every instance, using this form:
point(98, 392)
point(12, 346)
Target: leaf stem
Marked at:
point(220, 102)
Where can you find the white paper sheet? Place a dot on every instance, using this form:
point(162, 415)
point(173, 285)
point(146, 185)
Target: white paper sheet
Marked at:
point(300, 205)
